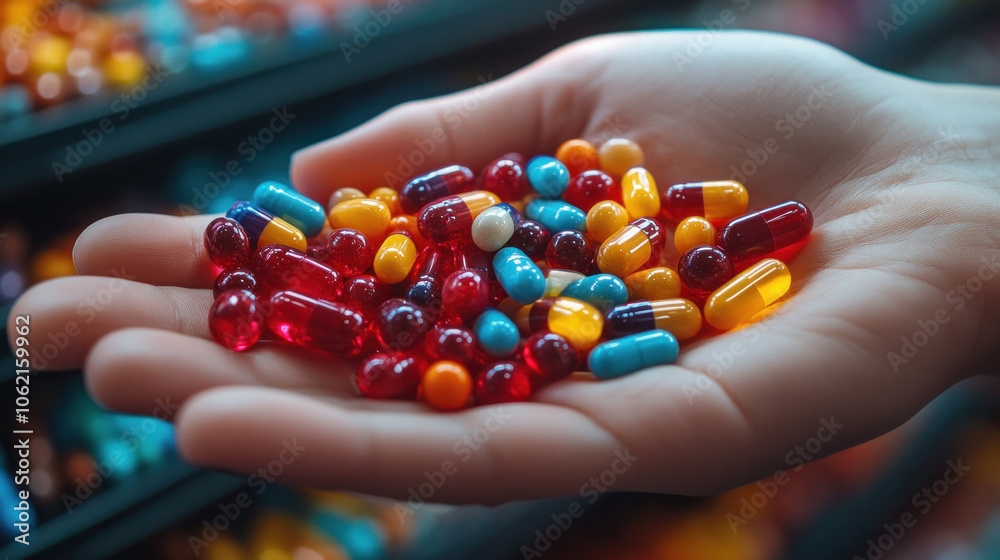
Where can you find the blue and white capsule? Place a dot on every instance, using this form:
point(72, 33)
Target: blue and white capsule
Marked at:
point(496, 333)
point(603, 291)
point(631, 353)
point(556, 215)
point(520, 277)
point(493, 228)
point(290, 205)
point(548, 176)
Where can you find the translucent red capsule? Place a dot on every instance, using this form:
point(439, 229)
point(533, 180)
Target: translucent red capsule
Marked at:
point(502, 382)
point(433, 265)
point(389, 376)
point(283, 268)
point(532, 238)
point(466, 294)
point(435, 185)
point(590, 187)
point(315, 323)
point(452, 343)
point(550, 356)
point(349, 252)
point(235, 320)
point(451, 217)
point(752, 237)
point(238, 279)
point(505, 177)
point(401, 324)
point(226, 243)
point(571, 250)
point(702, 270)
point(468, 255)
point(364, 294)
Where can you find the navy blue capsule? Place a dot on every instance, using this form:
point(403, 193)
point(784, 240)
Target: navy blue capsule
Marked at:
point(632, 353)
point(603, 291)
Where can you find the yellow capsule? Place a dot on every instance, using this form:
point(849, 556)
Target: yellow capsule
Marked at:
point(747, 294)
point(369, 216)
point(693, 232)
point(579, 322)
point(639, 194)
point(631, 247)
point(390, 197)
point(280, 232)
point(395, 258)
point(343, 194)
point(653, 284)
point(605, 218)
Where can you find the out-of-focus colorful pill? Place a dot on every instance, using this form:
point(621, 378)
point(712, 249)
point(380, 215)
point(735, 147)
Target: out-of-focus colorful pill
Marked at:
point(578, 156)
point(532, 238)
point(631, 248)
point(548, 176)
point(502, 382)
point(447, 385)
point(571, 250)
point(618, 155)
point(654, 283)
point(283, 268)
point(605, 219)
point(639, 194)
point(556, 280)
point(550, 356)
point(296, 209)
point(434, 264)
point(493, 228)
point(747, 294)
point(590, 188)
point(505, 177)
point(389, 376)
point(452, 216)
point(236, 320)
point(435, 185)
point(370, 217)
point(716, 201)
point(496, 333)
point(756, 235)
point(692, 232)
point(556, 215)
point(343, 194)
point(394, 259)
point(263, 228)
point(322, 325)
point(578, 321)
point(519, 275)
point(704, 269)
point(227, 243)
point(389, 197)
point(677, 316)
point(603, 291)
point(632, 353)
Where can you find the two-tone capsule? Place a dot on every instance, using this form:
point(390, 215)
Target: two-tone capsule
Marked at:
point(717, 201)
point(631, 248)
point(291, 206)
point(264, 228)
point(435, 185)
point(747, 294)
point(493, 228)
point(758, 234)
point(677, 316)
point(632, 353)
point(452, 216)
point(577, 321)
point(519, 275)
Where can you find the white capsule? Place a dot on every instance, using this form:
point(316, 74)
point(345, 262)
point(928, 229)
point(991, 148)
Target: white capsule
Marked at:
point(494, 226)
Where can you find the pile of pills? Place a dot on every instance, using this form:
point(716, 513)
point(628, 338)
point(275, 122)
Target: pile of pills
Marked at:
point(459, 290)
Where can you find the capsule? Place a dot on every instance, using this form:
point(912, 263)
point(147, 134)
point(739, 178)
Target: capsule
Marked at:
point(756, 235)
point(496, 333)
point(407, 223)
point(389, 376)
point(677, 316)
point(364, 294)
point(571, 250)
point(236, 279)
point(532, 238)
point(556, 280)
point(322, 325)
point(433, 265)
point(493, 228)
point(580, 322)
point(263, 228)
point(618, 155)
point(632, 353)
point(370, 217)
point(467, 255)
point(389, 197)
point(692, 232)
point(401, 325)
point(716, 201)
point(394, 259)
point(605, 219)
point(603, 291)
point(435, 185)
point(704, 269)
point(343, 194)
point(296, 209)
point(556, 215)
point(632, 247)
point(548, 176)
point(520, 276)
point(639, 194)
point(578, 156)
point(505, 177)
point(452, 217)
point(747, 294)
point(283, 268)
point(658, 282)
point(466, 293)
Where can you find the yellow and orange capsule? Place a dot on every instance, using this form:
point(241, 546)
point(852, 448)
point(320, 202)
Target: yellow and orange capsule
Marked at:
point(747, 294)
point(394, 259)
point(716, 201)
point(692, 232)
point(369, 216)
point(579, 322)
point(639, 194)
point(654, 283)
point(631, 248)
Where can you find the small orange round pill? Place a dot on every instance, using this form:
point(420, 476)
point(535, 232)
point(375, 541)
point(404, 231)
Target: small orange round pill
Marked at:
point(578, 156)
point(447, 385)
point(618, 155)
point(693, 232)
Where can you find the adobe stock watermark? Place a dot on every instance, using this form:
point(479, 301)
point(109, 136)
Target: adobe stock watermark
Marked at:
point(230, 511)
point(922, 502)
point(17, 33)
point(591, 491)
point(795, 459)
point(699, 41)
point(121, 108)
point(378, 20)
point(899, 15)
point(929, 327)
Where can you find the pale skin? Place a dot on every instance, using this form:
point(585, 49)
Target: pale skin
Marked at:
point(904, 182)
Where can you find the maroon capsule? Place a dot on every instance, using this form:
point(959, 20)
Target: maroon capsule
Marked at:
point(349, 252)
point(283, 268)
point(237, 279)
point(590, 187)
point(550, 356)
point(236, 320)
point(753, 236)
point(315, 323)
point(465, 294)
point(389, 376)
point(226, 243)
point(704, 269)
point(364, 294)
point(433, 265)
point(570, 250)
point(401, 325)
point(532, 238)
point(505, 177)
point(452, 343)
point(503, 382)
point(435, 185)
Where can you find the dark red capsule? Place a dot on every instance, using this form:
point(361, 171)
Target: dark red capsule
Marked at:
point(505, 177)
point(315, 323)
point(401, 325)
point(571, 250)
point(389, 376)
point(283, 268)
point(452, 343)
point(465, 294)
point(590, 187)
point(704, 269)
point(349, 252)
point(435, 185)
point(503, 382)
point(236, 320)
point(226, 243)
point(753, 236)
point(532, 238)
point(364, 294)
point(433, 265)
point(238, 279)
point(550, 356)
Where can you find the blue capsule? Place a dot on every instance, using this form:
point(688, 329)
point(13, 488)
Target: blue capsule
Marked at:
point(556, 215)
point(519, 275)
point(548, 176)
point(497, 334)
point(631, 353)
point(603, 291)
point(291, 206)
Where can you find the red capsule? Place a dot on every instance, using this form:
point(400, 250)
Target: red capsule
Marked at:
point(283, 268)
point(550, 356)
point(752, 237)
point(466, 294)
point(532, 238)
point(364, 294)
point(452, 343)
point(433, 264)
point(435, 185)
point(226, 243)
point(452, 217)
point(590, 187)
point(389, 376)
point(401, 325)
point(468, 255)
point(704, 269)
point(349, 252)
point(502, 382)
point(238, 279)
point(236, 320)
point(314, 323)
point(571, 250)
point(505, 177)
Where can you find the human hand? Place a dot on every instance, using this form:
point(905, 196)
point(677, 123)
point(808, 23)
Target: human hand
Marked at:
point(904, 184)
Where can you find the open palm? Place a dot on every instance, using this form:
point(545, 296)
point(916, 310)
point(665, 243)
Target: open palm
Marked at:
point(902, 182)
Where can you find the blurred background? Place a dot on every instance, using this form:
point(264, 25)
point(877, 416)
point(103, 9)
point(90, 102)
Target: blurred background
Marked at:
point(169, 106)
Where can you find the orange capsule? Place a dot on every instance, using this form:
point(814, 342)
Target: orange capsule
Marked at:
point(693, 232)
point(390, 197)
point(369, 216)
point(578, 156)
point(605, 218)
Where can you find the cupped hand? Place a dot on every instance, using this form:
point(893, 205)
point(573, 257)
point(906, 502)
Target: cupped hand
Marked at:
point(895, 298)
